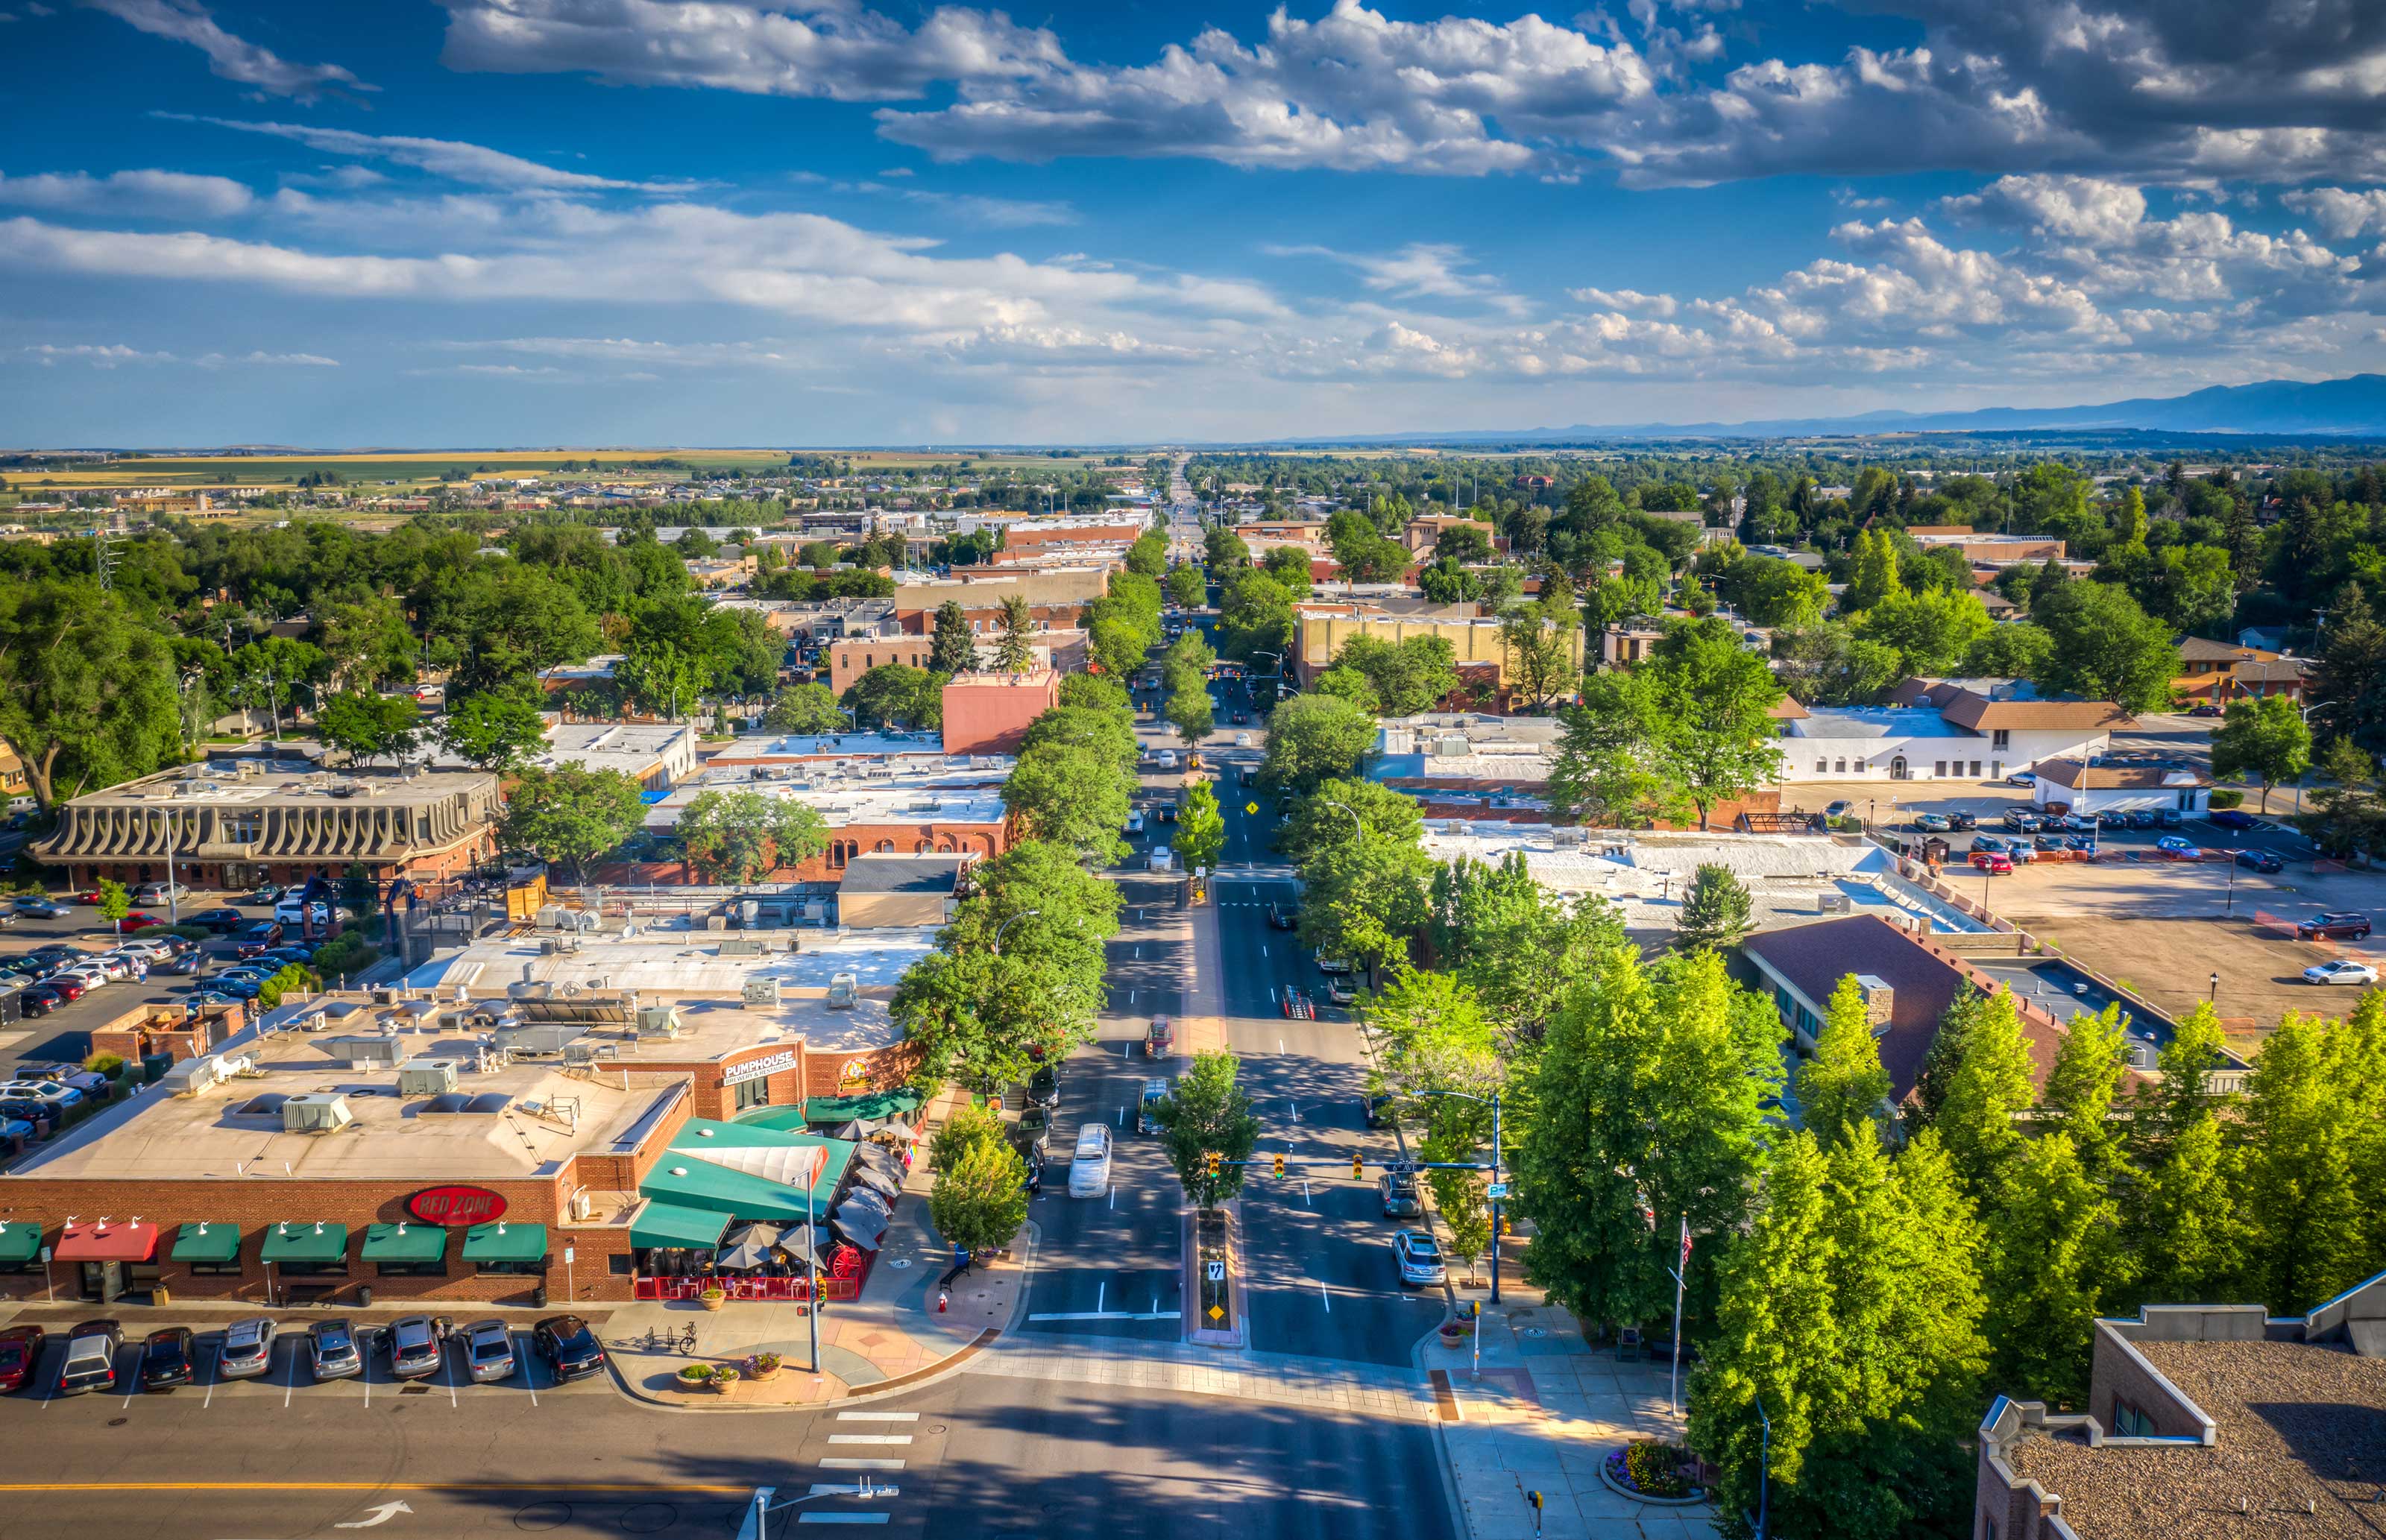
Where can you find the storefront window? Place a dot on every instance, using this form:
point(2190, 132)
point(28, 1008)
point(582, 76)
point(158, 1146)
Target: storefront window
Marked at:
point(753, 1092)
point(435, 1267)
point(523, 1265)
point(215, 1270)
point(313, 1269)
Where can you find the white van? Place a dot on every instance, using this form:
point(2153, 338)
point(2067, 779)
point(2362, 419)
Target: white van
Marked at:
point(1089, 1169)
point(1163, 858)
point(1167, 759)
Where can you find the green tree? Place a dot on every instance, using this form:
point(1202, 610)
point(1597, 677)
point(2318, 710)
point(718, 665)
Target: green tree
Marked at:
point(1604, 771)
point(1873, 578)
point(115, 903)
point(2012, 650)
point(1312, 739)
point(570, 814)
point(2308, 1127)
point(1842, 1087)
point(804, 708)
point(2055, 1253)
point(365, 641)
point(980, 1198)
point(1520, 948)
point(2080, 1086)
point(896, 695)
point(741, 837)
point(1931, 633)
point(1192, 714)
point(2185, 1228)
point(672, 656)
point(1188, 588)
point(2105, 647)
point(493, 731)
point(1445, 581)
point(1539, 661)
point(1986, 1094)
point(1349, 684)
point(1013, 654)
point(954, 649)
point(1714, 912)
point(1646, 1111)
point(2348, 681)
point(1097, 693)
point(1255, 616)
point(369, 727)
point(1206, 1113)
point(1946, 1055)
point(86, 688)
point(1709, 711)
point(2266, 738)
point(1117, 646)
point(2347, 817)
point(1200, 829)
point(1222, 548)
point(1362, 871)
point(1409, 676)
point(1149, 554)
point(1070, 794)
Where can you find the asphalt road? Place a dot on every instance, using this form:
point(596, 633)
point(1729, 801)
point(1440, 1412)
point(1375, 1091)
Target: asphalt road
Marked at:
point(970, 1454)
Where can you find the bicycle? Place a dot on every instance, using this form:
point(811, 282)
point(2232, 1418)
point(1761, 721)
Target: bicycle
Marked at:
point(687, 1341)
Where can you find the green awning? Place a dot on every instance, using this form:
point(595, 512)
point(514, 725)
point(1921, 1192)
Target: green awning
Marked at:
point(207, 1241)
point(20, 1241)
point(673, 1224)
point(501, 1242)
point(875, 1103)
point(732, 1168)
point(404, 1242)
point(301, 1241)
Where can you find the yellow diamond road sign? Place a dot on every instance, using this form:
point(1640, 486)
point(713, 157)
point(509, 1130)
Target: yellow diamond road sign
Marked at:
point(1251, 806)
point(1217, 1312)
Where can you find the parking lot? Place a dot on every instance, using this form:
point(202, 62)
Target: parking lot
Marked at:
point(287, 1385)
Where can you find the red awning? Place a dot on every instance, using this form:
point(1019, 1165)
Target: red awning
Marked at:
point(108, 1241)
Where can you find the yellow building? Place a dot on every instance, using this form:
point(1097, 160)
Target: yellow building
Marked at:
point(1475, 642)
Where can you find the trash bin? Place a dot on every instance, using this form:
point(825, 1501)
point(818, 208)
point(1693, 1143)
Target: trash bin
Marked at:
point(538, 1296)
point(364, 1297)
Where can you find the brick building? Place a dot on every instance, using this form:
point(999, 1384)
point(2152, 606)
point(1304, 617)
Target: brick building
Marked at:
point(989, 713)
point(236, 824)
point(848, 660)
point(930, 807)
point(551, 1142)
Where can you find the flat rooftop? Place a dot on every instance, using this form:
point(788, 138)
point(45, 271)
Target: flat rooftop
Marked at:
point(671, 961)
point(883, 795)
point(250, 782)
point(2301, 1443)
point(765, 747)
point(1877, 722)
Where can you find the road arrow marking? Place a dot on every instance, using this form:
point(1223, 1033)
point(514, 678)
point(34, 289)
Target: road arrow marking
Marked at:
point(381, 1515)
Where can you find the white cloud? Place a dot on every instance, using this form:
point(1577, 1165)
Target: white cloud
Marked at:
point(2340, 214)
point(1625, 299)
point(138, 194)
point(1423, 269)
point(842, 51)
point(2088, 206)
point(98, 355)
point(451, 158)
point(230, 58)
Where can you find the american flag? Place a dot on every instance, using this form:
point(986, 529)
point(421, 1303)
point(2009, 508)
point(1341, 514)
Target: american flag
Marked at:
point(1685, 1262)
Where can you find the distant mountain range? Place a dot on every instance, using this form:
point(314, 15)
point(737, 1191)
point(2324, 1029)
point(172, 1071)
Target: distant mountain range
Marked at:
point(2350, 408)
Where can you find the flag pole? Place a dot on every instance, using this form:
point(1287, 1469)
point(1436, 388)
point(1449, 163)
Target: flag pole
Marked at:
point(1674, 1378)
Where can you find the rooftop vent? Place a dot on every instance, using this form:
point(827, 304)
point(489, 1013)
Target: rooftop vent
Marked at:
point(427, 1077)
point(316, 1112)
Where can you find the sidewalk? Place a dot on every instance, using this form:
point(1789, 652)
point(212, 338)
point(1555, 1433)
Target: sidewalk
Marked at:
point(892, 1336)
point(1544, 1410)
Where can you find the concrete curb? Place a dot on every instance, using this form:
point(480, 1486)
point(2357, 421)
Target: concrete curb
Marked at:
point(943, 1367)
point(1442, 1444)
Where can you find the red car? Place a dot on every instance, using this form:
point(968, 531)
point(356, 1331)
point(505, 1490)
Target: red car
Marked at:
point(20, 1354)
point(88, 896)
point(1996, 862)
point(70, 989)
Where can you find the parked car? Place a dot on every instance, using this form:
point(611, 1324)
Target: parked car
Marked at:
point(247, 1350)
point(1160, 1039)
point(49, 1092)
point(1089, 1165)
point(569, 1347)
point(1133, 824)
point(263, 936)
point(43, 999)
point(488, 1352)
point(2078, 823)
point(2022, 777)
point(1994, 861)
point(1376, 1109)
point(221, 988)
point(414, 1346)
point(1032, 1135)
point(2234, 817)
point(1933, 823)
point(268, 894)
point(2207, 710)
point(221, 921)
point(1963, 820)
point(2260, 860)
point(165, 1359)
point(2176, 845)
point(2022, 821)
point(1342, 992)
point(1147, 1108)
point(2169, 818)
point(91, 1357)
point(160, 893)
point(2334, 927)
point(1839, 809)
point(20, 1356)
point(1419, 1257)
point(1331, 965)
point(1282, 916)
point(331, 1351)
point(2342, 971)
point(1398, 1192)
point(1043, 1087)
point(41, 909)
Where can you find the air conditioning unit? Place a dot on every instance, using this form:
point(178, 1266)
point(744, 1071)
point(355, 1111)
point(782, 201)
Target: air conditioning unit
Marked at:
point(1834, 903)
point(658, 1022)
point(316, 1112)
point(844, 991)
point(427, 1077)
point(760, 991)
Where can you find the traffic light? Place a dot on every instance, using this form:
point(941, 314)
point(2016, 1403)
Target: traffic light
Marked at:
point(1215, 1158)
point(1279, 1163)
point(1358, 1168)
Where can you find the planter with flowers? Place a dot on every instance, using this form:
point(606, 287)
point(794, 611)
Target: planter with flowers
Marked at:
point(1652, 1470)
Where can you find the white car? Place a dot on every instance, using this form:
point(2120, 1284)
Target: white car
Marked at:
point(1163, 858)
point(2342, 971)
point(1135, 823)
point(1242, 740)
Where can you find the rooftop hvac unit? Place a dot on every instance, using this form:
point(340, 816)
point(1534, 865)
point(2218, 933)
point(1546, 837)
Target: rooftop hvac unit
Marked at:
point(815, 911)
point(716, 922)
point(540, 1039)
point(1835, 902)
point(529, 989)
point(550, 916)
point(1449, 745)
point(658, 1022)
point(426, 1077)
point(760, 991)
point(843, 990)
point(366, 1051)
point(739, 949)
point(316, 1112)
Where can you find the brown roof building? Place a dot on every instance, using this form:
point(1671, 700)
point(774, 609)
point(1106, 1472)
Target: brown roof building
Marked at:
point(2203, 1423)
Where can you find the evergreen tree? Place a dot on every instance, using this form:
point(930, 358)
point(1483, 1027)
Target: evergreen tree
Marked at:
point(1989, 1089)
point(1947, 1045)
point(2306, 1144)
point(2349, 683)
point(1012, 654)
point(1714, 912)
point(1874, 575)
point(1843, 1085)
point(2079, 1088)
point(954, 650)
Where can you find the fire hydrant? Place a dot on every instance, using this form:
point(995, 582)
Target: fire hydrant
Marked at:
point(942, 1296)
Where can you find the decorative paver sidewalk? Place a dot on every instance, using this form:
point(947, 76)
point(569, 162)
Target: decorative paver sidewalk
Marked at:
point(892, 1336)
point(1544, 1410)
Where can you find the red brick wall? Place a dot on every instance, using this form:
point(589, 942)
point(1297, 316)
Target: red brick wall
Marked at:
point(847, 661)
point(992, 716)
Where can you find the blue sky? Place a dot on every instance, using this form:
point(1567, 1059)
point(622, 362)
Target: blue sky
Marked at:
point(509, 223)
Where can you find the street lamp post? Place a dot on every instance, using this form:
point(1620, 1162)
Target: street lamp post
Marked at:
point(1764, 1469)
point(1006, 924)
point(2214, 999)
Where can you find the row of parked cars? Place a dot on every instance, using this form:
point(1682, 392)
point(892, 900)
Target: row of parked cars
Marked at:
point(415, 1346)
point(57, 974)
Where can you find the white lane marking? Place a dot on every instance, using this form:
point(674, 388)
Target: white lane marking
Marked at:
point(1109, 1315)
point(293, 1387)
point(1262, 944)
point(1304, 1193)
point(1122, 1117)
point(1113, 1198)
point(1279, 1044)
point(1324, 1296)
point(367, 1378)
point(878, 1417)
point(852, 1489)
point(1101, 1288)
point(1271, 994)
point(848, 1462)
point(530, 1369)
point(840, 1517)
point(870, 1438)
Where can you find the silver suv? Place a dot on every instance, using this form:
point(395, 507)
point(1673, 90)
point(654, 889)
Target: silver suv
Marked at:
point(488, 1351)
point(414, 1343)
point(331, 1351)
point(247, 1349)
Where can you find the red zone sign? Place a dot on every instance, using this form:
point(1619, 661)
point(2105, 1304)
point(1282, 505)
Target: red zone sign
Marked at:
point(457, 1206)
